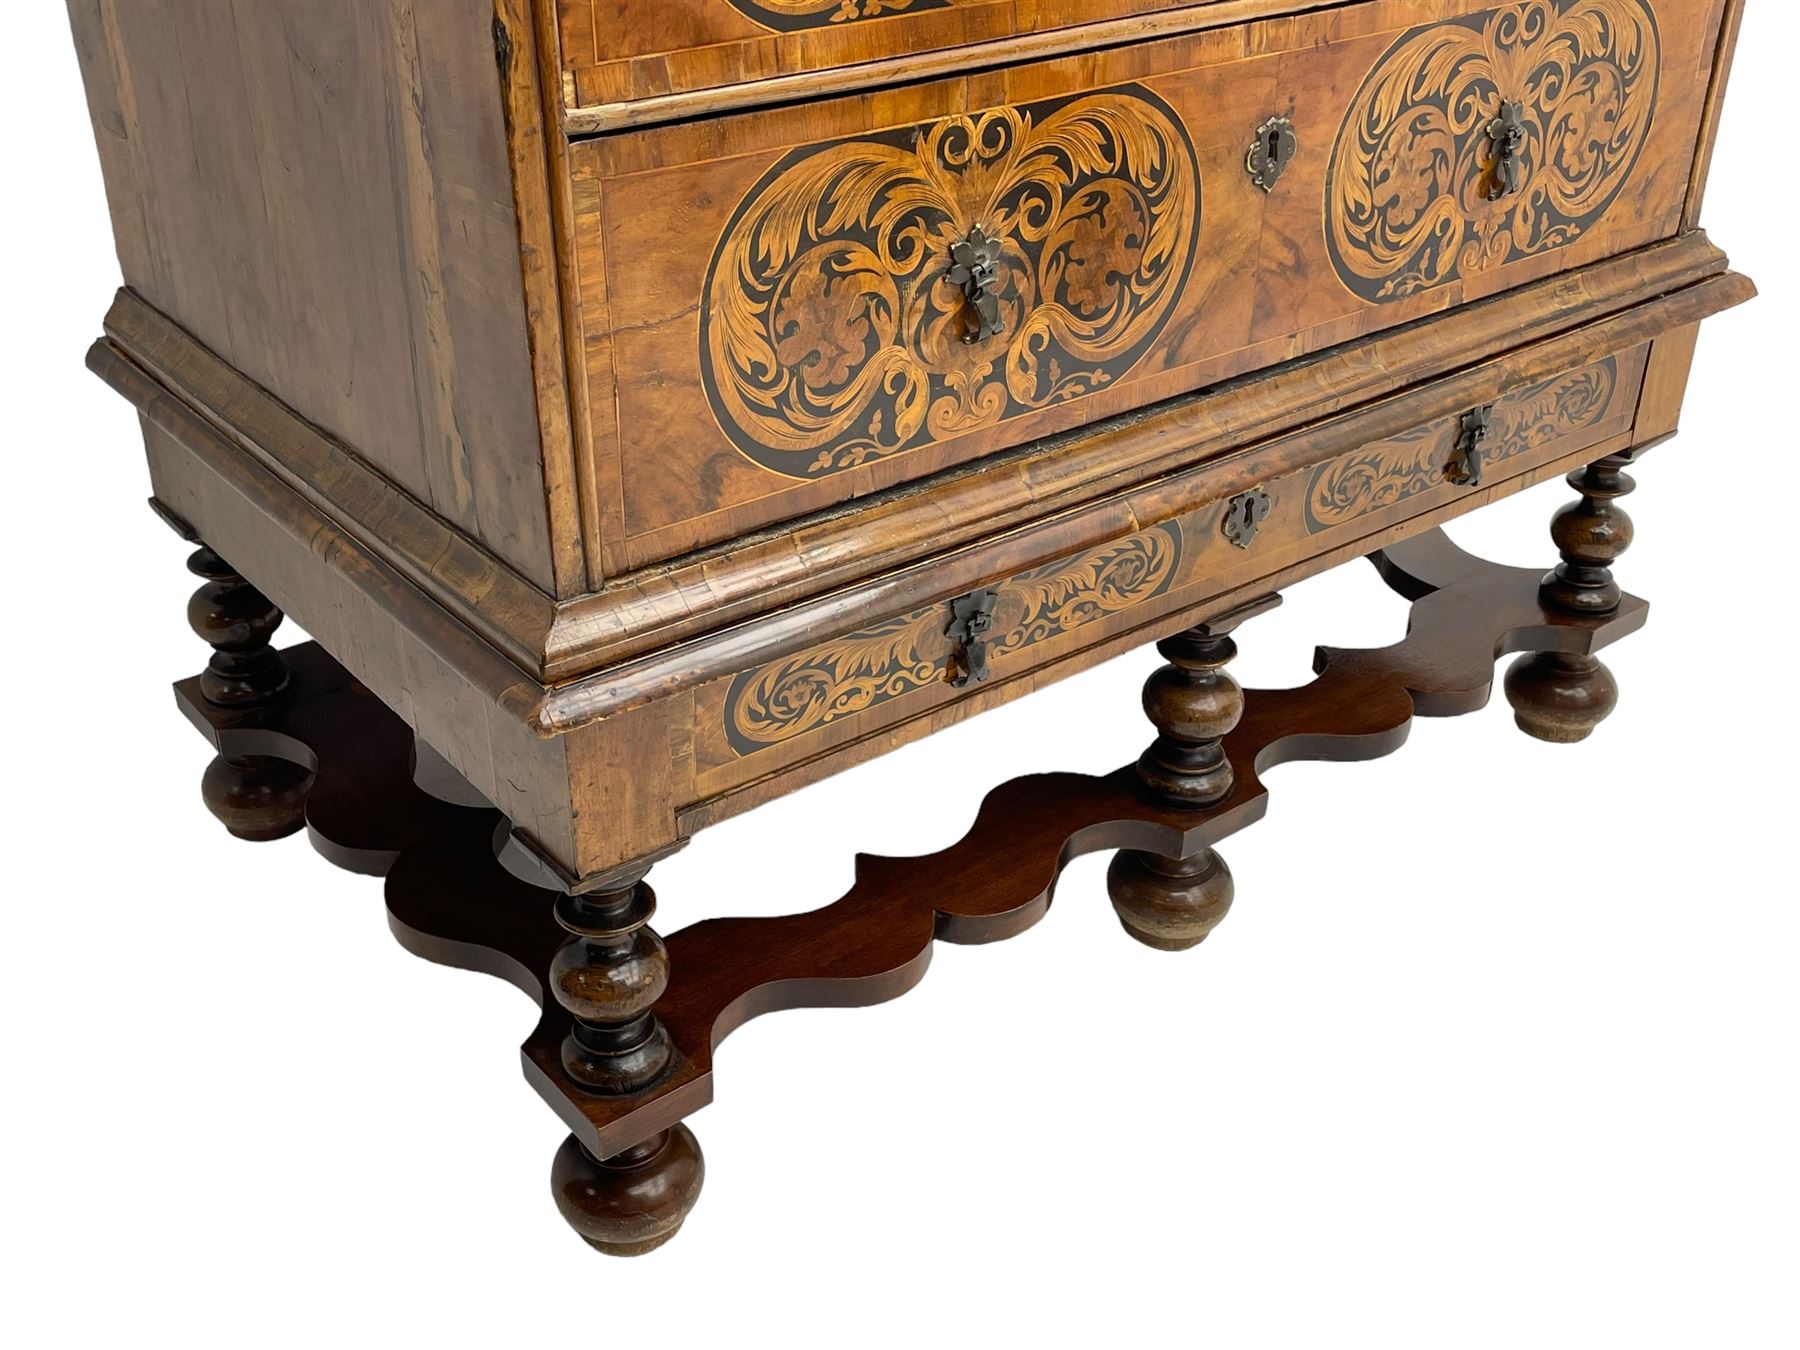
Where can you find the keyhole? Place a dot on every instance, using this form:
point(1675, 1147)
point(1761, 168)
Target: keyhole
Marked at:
point(1274, 147)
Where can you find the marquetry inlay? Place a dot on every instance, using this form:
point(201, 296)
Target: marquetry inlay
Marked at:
point(1414, 197)
point(1387, 472)
point(791, 15)
point(831, 334)
point(783, 699)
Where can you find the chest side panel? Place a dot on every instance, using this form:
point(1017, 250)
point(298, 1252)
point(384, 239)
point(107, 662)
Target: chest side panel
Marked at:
point(321, 194)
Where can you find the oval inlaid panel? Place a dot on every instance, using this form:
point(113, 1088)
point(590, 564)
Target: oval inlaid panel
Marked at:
point(785, 698)
point(1407, 197)
point(791, 15)
point(830, 335)
point(1390, 471)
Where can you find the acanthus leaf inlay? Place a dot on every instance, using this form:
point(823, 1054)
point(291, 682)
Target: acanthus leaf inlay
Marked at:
point(832, 333)
point(1485, 139)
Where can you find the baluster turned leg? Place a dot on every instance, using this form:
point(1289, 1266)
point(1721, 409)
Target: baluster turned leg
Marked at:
point(1173, 903)
point(257, 797)
point(608, 977)
point(1559, 697)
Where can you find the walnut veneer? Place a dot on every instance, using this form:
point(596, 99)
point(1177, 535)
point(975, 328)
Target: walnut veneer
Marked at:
point(652, 407)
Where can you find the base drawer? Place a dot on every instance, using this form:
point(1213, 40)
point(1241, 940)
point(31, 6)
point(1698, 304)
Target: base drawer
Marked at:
point(783, 713)
point(785, 311)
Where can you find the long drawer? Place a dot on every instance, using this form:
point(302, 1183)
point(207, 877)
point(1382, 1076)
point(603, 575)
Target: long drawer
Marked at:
point(771, 320)
point(907, 666)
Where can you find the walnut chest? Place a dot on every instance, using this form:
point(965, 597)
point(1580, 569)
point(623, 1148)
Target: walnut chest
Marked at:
point(651, 406)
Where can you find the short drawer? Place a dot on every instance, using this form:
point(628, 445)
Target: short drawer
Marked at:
point(1348, 501)
point(779, 312)
point(616, 53)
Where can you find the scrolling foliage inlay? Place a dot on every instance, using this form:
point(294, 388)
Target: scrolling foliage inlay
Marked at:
point(1409, 199)
point(793, 15)
point(782, 699)
point(1390, 471)
point(830, 335)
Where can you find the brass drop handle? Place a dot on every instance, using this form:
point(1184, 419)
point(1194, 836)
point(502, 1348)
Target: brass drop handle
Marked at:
point(974, 265)
point(1507, 132)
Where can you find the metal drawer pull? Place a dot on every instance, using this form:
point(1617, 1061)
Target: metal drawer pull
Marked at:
point(1471, 447)
point(974, 260)
point(1507, 132)
point(972, 615)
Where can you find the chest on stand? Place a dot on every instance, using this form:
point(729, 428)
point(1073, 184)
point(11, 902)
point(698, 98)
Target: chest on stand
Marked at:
point(650, 409)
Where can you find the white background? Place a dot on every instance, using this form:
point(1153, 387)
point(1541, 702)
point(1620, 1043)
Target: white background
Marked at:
point(1497, 1047)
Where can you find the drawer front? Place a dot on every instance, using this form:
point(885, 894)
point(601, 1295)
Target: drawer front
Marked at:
point(621, 51)
point(784, 312)
point(790, 710)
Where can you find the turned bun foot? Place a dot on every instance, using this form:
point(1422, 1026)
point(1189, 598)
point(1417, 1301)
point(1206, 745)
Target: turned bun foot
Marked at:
point(1169, 903)
point(633, 1203)
point(1560, 698)
point(257, 797)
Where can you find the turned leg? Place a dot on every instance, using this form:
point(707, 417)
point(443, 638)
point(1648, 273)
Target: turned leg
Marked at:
point(1173, 903)
point(608, 976)
point(257, 797)
point(1557, 696)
